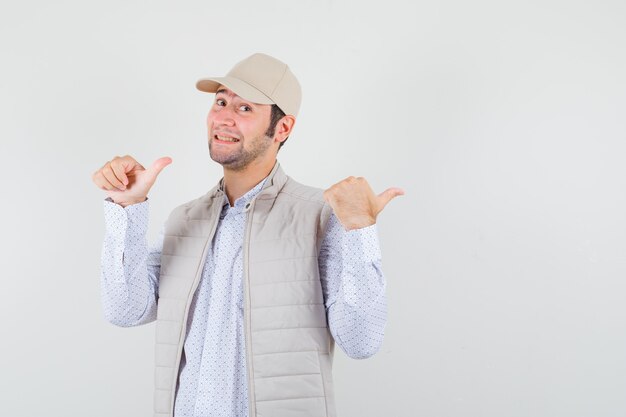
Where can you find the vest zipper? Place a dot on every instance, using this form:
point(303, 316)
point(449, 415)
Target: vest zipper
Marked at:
point(246, 311)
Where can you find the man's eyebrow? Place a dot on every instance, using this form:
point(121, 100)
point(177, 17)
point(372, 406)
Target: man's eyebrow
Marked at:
point(225, 91)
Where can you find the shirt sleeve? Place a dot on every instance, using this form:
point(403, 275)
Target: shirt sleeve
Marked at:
point(129, 267)
point(354, 288)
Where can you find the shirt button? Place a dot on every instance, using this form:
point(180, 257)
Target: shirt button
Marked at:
point(248, 205)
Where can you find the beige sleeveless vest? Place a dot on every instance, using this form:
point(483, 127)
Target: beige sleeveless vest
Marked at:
point(289, 348)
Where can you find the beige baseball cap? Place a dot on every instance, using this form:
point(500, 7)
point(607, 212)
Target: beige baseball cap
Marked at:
point(262, 79)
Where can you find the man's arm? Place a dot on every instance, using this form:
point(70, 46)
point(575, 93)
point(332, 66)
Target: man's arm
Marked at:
point(352, 280)
point(354, 288)
point(130, 270)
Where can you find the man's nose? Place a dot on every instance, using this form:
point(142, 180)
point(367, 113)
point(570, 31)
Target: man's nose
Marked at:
point(225, 116)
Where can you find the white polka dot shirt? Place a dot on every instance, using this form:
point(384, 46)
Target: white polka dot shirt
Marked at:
point(212, 376)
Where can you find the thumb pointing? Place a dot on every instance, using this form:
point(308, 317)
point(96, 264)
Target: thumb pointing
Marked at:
point(388, 195)
point(159, 164)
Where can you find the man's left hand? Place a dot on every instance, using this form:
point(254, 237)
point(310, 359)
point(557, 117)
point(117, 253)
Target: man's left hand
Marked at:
point(355, 204)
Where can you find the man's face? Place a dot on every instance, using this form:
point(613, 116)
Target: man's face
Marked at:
point(236, 129)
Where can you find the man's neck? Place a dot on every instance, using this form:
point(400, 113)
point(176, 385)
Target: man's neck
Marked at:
point(237, 183)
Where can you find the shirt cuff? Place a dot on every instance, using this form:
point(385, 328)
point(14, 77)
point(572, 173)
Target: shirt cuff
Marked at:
point(121, 221)
point(363, 241)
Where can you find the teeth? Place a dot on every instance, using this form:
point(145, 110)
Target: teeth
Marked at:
point(226, 138)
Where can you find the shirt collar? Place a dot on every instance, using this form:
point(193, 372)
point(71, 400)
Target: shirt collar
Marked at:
point(242, 202)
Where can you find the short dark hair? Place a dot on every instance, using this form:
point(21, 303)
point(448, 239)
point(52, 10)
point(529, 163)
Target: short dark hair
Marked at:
point(276, 115)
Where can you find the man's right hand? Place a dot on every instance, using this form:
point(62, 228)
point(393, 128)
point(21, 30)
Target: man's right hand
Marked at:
point(126, 181)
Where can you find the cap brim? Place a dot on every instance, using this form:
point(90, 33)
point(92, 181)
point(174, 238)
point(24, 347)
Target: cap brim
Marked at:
point(237, 86)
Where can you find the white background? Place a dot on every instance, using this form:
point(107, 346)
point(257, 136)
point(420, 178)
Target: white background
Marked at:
point(504, 121)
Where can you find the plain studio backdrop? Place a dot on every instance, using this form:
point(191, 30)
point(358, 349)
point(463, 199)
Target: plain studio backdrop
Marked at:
point(504, 121)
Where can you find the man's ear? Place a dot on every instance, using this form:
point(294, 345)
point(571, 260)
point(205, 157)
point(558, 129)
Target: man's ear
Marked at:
point(284, 127)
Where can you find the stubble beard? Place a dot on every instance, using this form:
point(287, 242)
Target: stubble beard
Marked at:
point(241, 158)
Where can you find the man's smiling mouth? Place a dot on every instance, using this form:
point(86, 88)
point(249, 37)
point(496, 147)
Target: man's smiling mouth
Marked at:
point(225, 138)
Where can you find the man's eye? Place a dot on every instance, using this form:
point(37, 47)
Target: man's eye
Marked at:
point(220, 102)
point(243, 107)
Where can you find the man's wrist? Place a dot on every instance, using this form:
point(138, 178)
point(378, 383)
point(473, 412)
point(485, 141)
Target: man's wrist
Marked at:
point(358, 222)
point(130, 202)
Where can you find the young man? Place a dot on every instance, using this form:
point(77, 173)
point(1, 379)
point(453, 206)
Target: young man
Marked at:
point(253, 283)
